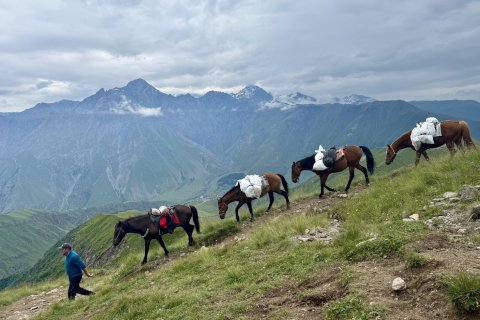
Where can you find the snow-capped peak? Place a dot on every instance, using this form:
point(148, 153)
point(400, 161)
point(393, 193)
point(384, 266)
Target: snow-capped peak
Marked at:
point(353, 99)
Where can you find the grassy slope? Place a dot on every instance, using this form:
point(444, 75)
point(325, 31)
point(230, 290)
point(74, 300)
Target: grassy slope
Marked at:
point(26, 234)
point(225, 282)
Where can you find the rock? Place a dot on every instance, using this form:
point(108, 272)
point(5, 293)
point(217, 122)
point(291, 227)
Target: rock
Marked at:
point(449, 194)
point(342, 195)
point(407, 220)
point(475, 213)
point(469, 193)
point(307, 231)
point(449, 212)
point(454, 199)
point(52, 291)
point(305, 239)
point(477, 187)
point(414, 216)
point(398, 284)
point(462, 231)
point(34, 308)
point(437, 200)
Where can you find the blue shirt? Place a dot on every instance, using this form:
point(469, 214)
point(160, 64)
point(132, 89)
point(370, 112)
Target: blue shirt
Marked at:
point(73, 264)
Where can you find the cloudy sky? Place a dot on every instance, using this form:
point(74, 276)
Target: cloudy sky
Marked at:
point(51, 50)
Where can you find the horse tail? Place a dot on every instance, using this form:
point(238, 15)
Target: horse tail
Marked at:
point(466, 135)
point(284, 182)
point(195, 218)
point(370, 159)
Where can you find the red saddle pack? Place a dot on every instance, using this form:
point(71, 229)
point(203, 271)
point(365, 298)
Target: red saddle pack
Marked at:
point(168, 221)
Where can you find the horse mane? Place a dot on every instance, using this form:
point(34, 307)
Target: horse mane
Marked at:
point(133, 219)
point(307, 163)
point(231, 189)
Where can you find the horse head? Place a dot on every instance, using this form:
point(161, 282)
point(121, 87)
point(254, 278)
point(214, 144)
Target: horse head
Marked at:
point(222, 208)
point(119, 233)
point(390, 155)
point(296, 171)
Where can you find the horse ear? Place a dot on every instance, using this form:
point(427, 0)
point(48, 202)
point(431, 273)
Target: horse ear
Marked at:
point(388, 146)
point(293, 164)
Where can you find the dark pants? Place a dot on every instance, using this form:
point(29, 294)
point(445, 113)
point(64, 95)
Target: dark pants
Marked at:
point(74, 287)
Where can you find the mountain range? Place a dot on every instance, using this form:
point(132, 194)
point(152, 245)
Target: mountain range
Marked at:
point(136, 143)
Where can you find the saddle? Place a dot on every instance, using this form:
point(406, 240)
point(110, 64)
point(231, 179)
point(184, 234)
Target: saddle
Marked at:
point(164, 218)
point(332, 155)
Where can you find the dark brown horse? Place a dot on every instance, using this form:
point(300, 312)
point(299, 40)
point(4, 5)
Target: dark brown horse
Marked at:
point(143, 226)
point(351, 160)
point(452, 133)
point(275, 181)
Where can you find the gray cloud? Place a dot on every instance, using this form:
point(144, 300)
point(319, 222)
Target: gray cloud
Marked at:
point(386, 49)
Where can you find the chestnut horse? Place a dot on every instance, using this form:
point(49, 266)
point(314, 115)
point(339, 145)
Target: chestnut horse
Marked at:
point(275, 181)
point(351, 160)
point(452, 133)
point(143, 226)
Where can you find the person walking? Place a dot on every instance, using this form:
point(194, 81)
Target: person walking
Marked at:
point(74, 267)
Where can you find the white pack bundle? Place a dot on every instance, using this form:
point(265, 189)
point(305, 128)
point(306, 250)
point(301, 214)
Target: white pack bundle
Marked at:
point(319, 153)
point(251, 185)
point(424, 132)
point(318, 165)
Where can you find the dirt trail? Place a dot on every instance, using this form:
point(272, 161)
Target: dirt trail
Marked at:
point(32, 305)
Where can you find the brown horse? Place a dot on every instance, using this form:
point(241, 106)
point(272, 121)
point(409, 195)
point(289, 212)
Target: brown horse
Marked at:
point(275, 181)
point(351, 160)
point(143, 226)
point(452, 133)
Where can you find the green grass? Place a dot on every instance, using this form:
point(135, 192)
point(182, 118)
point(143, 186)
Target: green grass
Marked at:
point(463, 290)
point(226, 281)
point(414, 260)
point(353, 307)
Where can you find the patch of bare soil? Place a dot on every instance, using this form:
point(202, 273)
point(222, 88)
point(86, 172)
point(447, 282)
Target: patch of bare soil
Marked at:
point(33, 305)
point(306, 300)
point(424, 297)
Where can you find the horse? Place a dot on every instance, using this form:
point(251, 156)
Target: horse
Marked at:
point(143, 226)
point(351, 160)
point(275, 181)
point(452, 133)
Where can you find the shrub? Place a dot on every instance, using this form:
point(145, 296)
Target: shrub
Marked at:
point(463, 290)
point(414, 260)
point(352, 307)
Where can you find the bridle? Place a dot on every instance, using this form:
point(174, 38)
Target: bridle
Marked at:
point(393, 150)
point(119, 233)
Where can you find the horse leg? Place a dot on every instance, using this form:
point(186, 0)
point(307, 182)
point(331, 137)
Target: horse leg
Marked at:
point(451, 148)
point(147, 247)
point(417, 159)
point(285, 194)
point(323, 179)
point(236, 210)
point(352, 174)
point(189, 230)
point(459, 144)
point(160, 240)
point(364, 171)
point(425, 155)
point(270, 197)
point(249, 204)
